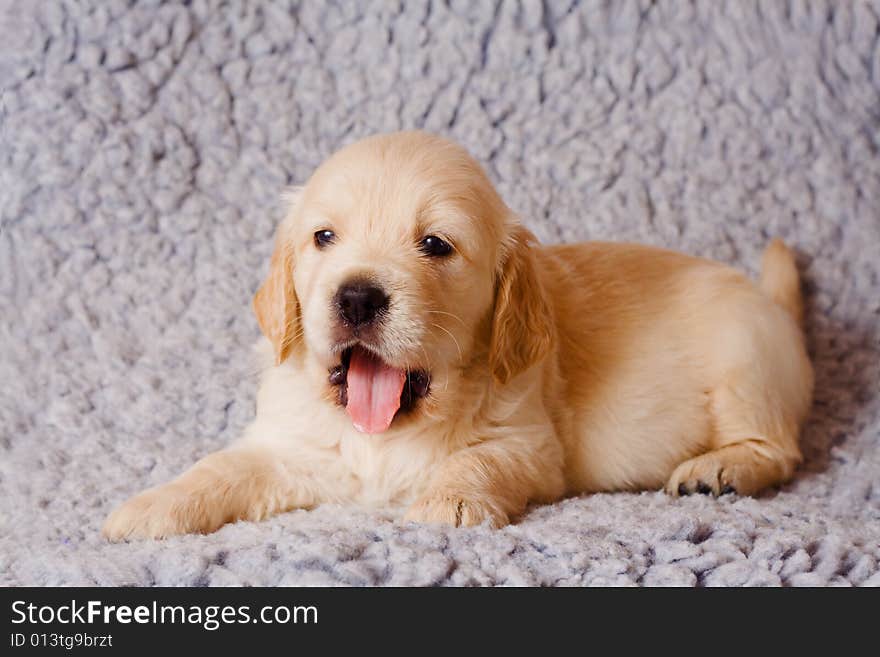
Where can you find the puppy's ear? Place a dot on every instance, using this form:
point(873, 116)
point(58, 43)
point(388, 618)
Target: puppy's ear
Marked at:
point(275, 303)
point(522, 326)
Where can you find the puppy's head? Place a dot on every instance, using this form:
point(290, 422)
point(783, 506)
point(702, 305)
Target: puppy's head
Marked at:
point(397, 268)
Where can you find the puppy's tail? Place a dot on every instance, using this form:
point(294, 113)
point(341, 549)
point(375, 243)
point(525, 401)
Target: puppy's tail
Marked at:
point(780, 280)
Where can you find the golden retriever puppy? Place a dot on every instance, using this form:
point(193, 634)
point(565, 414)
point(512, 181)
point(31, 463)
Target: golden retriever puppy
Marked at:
point(422, 352)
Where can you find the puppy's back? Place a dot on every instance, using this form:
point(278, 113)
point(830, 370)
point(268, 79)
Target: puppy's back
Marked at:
point(644, 337)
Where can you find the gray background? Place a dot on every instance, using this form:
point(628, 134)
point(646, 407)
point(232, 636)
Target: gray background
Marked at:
point(143, 152)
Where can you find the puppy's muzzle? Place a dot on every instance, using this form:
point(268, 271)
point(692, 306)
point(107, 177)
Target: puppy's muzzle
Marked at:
point(360, 303)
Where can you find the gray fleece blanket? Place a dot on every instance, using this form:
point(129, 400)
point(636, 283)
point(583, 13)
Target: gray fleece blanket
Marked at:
point(145, 146)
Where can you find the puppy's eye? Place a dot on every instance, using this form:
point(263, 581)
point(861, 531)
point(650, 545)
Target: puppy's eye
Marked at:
point(324, 238)
point(435, 247)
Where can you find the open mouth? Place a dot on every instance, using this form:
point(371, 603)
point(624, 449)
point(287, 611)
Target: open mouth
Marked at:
point(373, 392)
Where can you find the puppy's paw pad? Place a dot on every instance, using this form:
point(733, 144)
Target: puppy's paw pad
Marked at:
point(456, 511)
point(705, 475)
point(697, 475)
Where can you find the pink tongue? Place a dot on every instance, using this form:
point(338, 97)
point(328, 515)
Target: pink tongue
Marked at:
point(373, 391)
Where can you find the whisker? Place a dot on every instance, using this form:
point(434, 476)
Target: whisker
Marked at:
point(425, 354)
point(408, 370)
point(457, 346)
point(455, 317)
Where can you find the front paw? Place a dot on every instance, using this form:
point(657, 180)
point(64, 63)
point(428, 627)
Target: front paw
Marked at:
point(155, 513)
point(450, 508)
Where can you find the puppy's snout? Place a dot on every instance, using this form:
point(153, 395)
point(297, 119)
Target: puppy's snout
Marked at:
point(360, 302)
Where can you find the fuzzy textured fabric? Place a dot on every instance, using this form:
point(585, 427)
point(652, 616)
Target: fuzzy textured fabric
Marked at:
point(144, 149)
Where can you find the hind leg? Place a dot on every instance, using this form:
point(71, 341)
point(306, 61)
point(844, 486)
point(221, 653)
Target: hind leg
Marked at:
point(754, 443)
point(745, 468)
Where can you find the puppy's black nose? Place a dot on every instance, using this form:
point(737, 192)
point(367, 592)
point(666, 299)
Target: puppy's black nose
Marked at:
point(359, 302)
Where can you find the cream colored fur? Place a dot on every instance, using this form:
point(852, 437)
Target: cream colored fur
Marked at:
point(555, 370)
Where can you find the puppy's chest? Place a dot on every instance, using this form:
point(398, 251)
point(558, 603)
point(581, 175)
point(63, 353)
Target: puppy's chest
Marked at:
point(389, 470)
